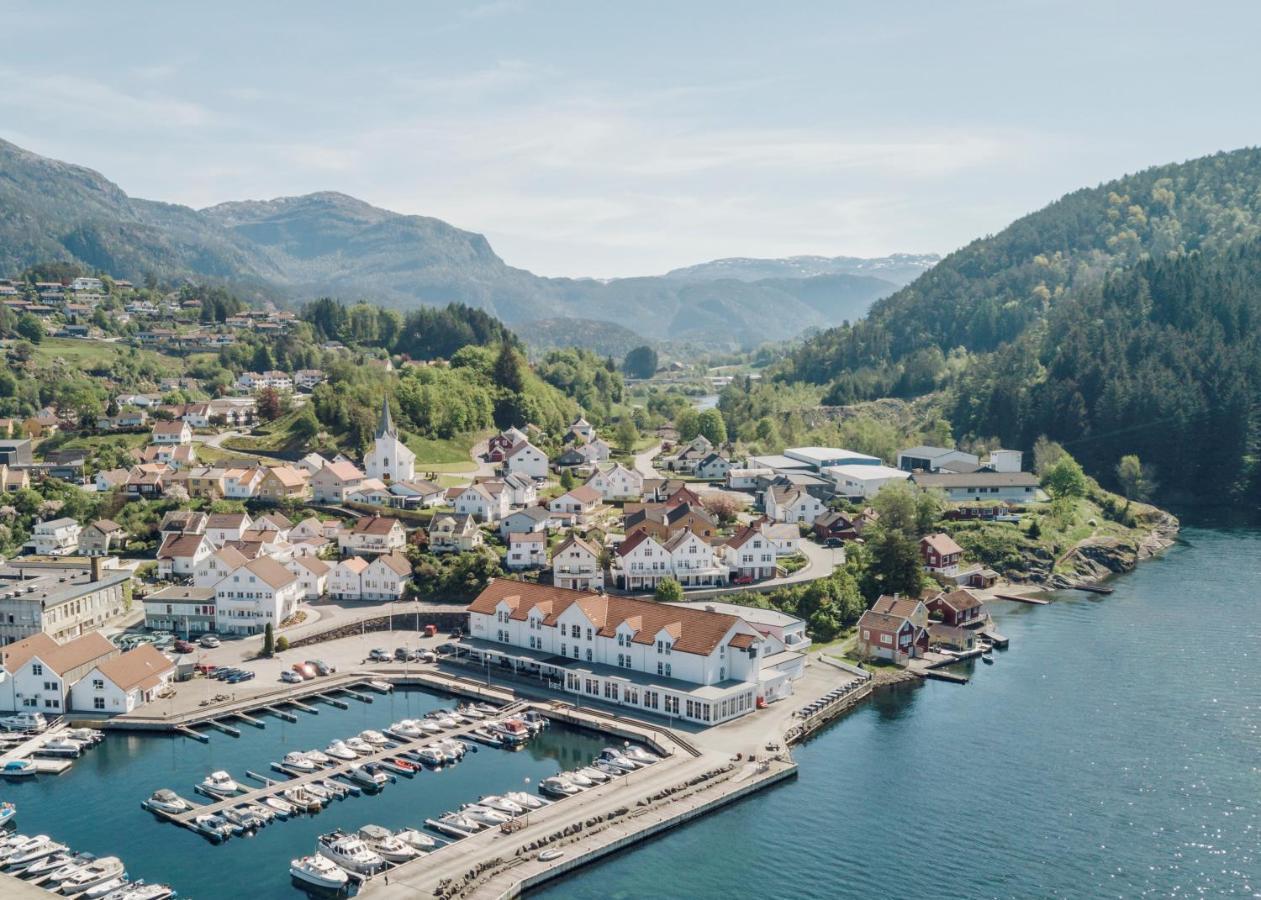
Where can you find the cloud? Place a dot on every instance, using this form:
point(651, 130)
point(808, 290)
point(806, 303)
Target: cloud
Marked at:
point(92, 102)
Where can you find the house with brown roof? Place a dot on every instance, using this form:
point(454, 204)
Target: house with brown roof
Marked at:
point(180, 554)
point(281, 483)
point(454, 534)
point(372, 534)
point(576, 565)
point(960, 608)
point(176, 432)
point(526, 550)
point(889, 636)
point(345, 581)
point(101, 538)
point(386, 577)
point(312, 573)
point(122, 683)
point(940, 554)
point(39, 672)
point(576, 505)
point(260, 593)
point(336, 479)
point(682, 661)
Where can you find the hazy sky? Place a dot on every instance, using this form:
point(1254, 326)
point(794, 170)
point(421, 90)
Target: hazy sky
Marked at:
point(591, 138)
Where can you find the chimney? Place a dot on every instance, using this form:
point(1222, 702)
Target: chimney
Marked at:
point(95, 562)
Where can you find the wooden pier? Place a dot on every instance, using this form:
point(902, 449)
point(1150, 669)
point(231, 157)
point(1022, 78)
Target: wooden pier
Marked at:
point(226, 729)
point(281, 714)
point(302, 706)
point(250, 720)
point(1022, 598)
point(332, 701)
point(185, 731)
point(1093, 588)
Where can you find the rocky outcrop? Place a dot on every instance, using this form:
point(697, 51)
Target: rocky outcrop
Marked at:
point(1095, 559)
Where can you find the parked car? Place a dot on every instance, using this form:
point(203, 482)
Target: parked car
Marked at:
point(290, 677)
point(834, 542)
point(426, 656)
point(742, 579)
point(306, 670)
point(184, 647)
point(379, 654)
point(209, 641)
point(400, 654)
point(445, 649)
point(239, 677)
point(322, 667)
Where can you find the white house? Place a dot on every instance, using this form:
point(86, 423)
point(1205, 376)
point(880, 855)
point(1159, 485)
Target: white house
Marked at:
point(533, 520)
point(449, 534)
point(1014, 487)
point(862, 482)
point(331, 483)
point(486, 501)
point(213, 567)
point(389, 459)
point(693, 561)
point(224, 527)
point(417, 493)
point(789, 503)
point(785, 537)
point(526, 459)
point(176, 432)
point(750, 554)
point(122, 684)
point(521, 490)
point(39, 672)
point(685, 662)
point(713, 467)
point(526, 551)
point(180, 554)
point(345, 582)
point(372, 534)
point(577, 504)
point(241, 483)
point(386, 577)
point(56, 537)
point(640, 562)
point(576, 565)
point(617, 483)
point(260, 593)
point(312, 574)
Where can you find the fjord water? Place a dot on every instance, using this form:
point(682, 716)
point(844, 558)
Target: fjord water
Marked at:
point(95, 807)
point(1114, 750)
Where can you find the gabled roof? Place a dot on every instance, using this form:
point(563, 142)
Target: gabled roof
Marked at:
point(312, 564)
point(881, 622)
point(16, 655)
point(106, 526)
point(960, 600)
point(270, 571)
point(343, 471)
point(141, 668)
point(181, 546)
point(584, 494)
point(374, 525)
point(574, 541)
point(902, 607)
point(231, 558)
point(273, 521)
point(396, 562)
point(535, 513)
point(941, 542)
point(529, 537)
point(228, 520)
point(61, 658)
point(695, 630)
point(355, 564)
point(628, 546)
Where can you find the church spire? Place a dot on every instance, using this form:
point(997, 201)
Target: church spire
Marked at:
point(386, 426)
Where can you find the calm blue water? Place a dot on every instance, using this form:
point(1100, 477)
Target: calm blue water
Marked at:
point(1113, 751)
point(96, 805)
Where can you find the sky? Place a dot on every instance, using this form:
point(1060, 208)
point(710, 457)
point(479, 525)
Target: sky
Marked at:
point(616, 139)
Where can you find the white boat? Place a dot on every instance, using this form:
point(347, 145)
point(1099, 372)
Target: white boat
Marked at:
point(91, 875)
point(319, 871)
point(535, 721)
point(87, 736)
point(558, 786)
point(29, 722)
point(503, 804)
point(594, 774)
point(485, 815)
point(298, 762)
point(220, 784)
point(430, 755)
point(579, 779)
point(375, 738)
point(320, 759)
point(61, 746)
point(318, 792)
point(70, 868)
point(18, 768)
point(20, 844)
point(243, 819)
point(443, 720)
point(49, 864)
point(383, 686)
point(368, 775)
point(529, 801)
point(266, 813)
point(617, 760)
point(488, 708)
point(332, 788)
point(215, 827)
point(105, 887)
point(351, 853)
point(454, 824)
point(641, 756)
point(484, 735)
point(300, 798)
point(360, 746)
point(140, 891)
point(550, 855)
point(387, 845)
point(280, 807)
point(339, 750)
point(8, 812)
point(470, 712)
point(167, 801)
point(510, 731)
point(406, 729)
point(34, 850)
point(607, 769)
point(416, 839)
point(397, 767)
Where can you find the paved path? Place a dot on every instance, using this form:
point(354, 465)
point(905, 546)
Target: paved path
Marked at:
point(643, 462)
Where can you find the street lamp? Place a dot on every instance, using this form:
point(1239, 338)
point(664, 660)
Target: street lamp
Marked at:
point(527, 808)
point(626, 747)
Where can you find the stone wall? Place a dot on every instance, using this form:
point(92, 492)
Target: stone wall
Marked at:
point(402, 622)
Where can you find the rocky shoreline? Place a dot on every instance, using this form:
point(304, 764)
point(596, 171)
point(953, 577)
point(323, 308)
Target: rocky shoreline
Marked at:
point(1096, 559)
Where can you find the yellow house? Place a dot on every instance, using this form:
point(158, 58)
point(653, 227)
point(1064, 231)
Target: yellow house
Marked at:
point(205, 482)
point(283, 483)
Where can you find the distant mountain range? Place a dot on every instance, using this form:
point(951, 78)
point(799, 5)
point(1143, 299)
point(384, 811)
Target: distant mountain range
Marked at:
point(297, 248)
point(900, 268)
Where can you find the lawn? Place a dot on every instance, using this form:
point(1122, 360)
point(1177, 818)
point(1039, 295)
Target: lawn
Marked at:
point(98, 354)
point(95, 441)
point(450, 455)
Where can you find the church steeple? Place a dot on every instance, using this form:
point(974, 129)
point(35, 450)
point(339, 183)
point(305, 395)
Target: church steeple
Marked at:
point(386, 426)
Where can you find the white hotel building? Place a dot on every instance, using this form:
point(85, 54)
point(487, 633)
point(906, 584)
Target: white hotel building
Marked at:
point(684, 662)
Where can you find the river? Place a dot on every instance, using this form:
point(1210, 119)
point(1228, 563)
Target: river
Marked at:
point(1114, 750)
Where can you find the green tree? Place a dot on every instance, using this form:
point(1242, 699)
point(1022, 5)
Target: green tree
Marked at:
point(626, 435)
point(30, 328)
point(269, 641)
point(282, 644)
point(261, 361)
point(713, 426)
point(668, 591)
point(1137, 480)
point(305, 427)
point(1065, 478)
point(688, 423)
point(640, 362)
point(567, 480)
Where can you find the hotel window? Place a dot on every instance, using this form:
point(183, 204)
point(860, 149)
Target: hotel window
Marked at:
point(575, 651)
point(661, 668)
point(98, 684)
point(98, 702)
point(564, 651)
point(621, 659)
point(588, 654)
point(37, 669)
point(668, 675)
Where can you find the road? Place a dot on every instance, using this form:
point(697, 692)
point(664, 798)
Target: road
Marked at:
point(643, 462)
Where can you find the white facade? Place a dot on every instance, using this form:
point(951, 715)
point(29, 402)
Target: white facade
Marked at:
point(793, 505)
point(527, 459)
point(526, 551)
point(863, 481)
point(259, 593)
point(389, 459)
point(345, 582)
point(385, 578)
point(483, 503)
point(56, 537)
point(617, 483)
point(576, 565)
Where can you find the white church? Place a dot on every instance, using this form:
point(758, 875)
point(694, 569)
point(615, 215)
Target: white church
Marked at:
point(389, 459)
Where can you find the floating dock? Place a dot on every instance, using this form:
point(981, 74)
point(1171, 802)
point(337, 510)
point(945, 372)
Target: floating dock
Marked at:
point(1022, 598)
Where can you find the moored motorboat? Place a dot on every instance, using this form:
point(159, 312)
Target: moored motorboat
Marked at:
point(298, 762)
point(278, 806)
point(430, 755)
point(399, 766)
point(511, 731)
point(485, 815)
point(48, 864)
point(360, 746)
point(640, 755)
point(558, 786)
point(214, 827)
point(453, 748)
point(219, 784)
point(339, 750)
point(503, 804)
point(105, 887)
point(383, 686)
point(416, 839)
point(94, 873)
point(988, 659)
point(390, 847)
point(580, 779)
point(368, 774)
point(78, 862)
point(618, 760)
point(318, 757)
point(300, 798)
point(332, 788)
point(141, 891)
point(167, 801)
point(8, 813)
point(528, 801)
point(36, 849)
point(611, 771)
point(350, 853)
point(442, 718)
point(406, 729)
point(593, 774)
point(266, 813)
point(62, 747)
point(470, 712)
point(319, 871)
point(486, 737)
point(318, 792)
point(243, 819)
point(18, 768)
point(454, 824)
point(375, 738)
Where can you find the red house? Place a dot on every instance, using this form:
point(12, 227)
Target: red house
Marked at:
point(940, 553)
point(960, 608)
point(890, 637)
